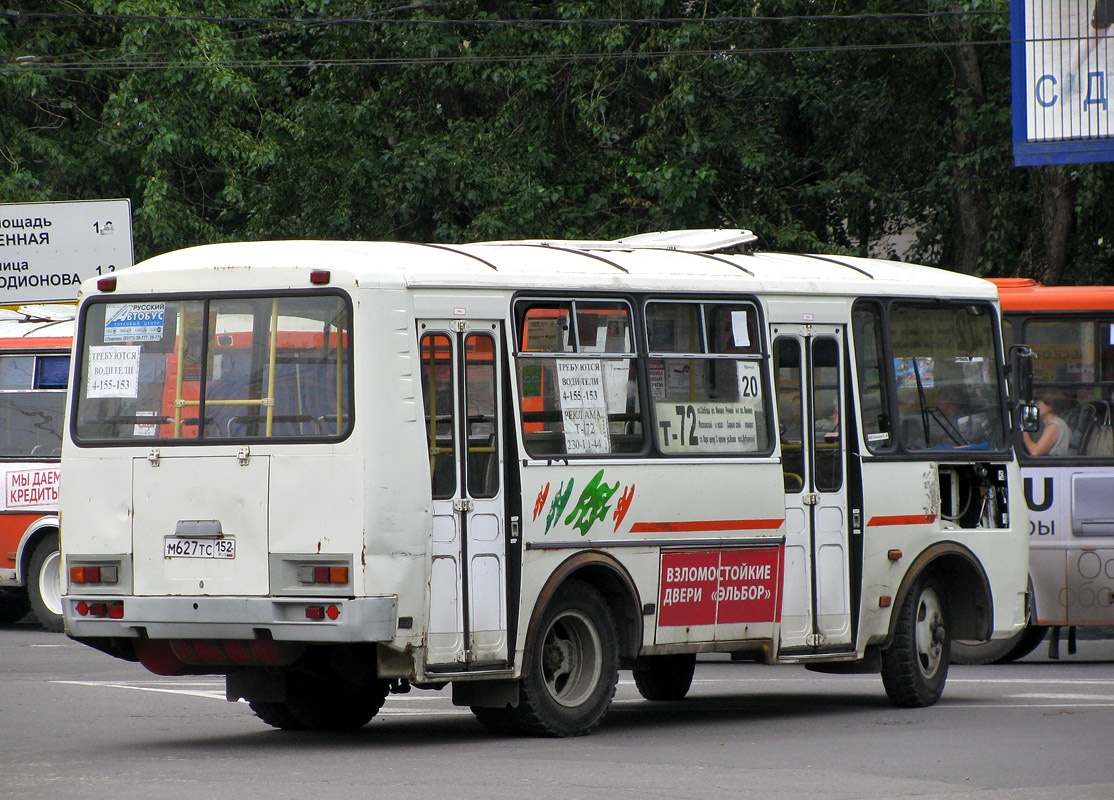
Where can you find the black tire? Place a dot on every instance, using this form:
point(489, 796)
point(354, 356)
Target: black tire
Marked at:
point(500, 721)
point(573, 666)
point(315, 705)
point(44, 587)
point(915, 665)
point(665, 678)
point(999, 651)
point(277, 715)
point(14, 605)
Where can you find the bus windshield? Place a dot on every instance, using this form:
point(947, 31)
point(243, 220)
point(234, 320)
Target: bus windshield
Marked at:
point(945, 377)
point(215, 369)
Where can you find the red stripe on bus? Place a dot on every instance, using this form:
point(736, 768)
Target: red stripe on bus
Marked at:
point(707, 525)
point(906, 519)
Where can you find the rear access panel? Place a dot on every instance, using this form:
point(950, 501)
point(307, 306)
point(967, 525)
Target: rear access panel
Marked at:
point(200, 525)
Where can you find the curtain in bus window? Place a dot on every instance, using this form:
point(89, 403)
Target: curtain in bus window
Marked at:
point(945, 368)
point(706, 378)
point(578, 378)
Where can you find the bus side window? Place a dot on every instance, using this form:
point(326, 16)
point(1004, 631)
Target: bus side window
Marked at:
point(437, 394)
point(787, 387)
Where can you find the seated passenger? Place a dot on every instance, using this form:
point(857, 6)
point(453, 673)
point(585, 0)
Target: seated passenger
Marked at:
point(1055, 434)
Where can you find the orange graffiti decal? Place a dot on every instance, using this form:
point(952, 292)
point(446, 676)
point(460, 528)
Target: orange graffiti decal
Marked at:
point(622, 506)
point(539, 504)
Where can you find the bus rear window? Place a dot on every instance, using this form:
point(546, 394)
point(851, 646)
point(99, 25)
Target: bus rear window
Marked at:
point(219, 369)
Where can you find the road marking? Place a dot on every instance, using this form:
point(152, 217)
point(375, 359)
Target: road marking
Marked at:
point(212, 694)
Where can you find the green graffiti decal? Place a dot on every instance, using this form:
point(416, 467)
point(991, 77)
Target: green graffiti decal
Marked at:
point(560, 500)
point(592, 505)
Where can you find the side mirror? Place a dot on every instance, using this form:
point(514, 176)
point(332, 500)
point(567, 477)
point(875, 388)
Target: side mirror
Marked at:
point(1022, 358)
point(1030, 417)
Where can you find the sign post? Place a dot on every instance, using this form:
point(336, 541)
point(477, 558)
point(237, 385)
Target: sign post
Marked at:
point(48, 249)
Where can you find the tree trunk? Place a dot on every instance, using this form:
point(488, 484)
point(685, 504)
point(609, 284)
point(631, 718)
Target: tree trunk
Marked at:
point(971, 224)
point(1057, 218)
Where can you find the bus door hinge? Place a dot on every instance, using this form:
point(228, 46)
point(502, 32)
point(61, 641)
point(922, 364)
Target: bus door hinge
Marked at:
point(244, 455)
point(810, 499)
point(153, 456)
point(458, 325)
point(464, 505)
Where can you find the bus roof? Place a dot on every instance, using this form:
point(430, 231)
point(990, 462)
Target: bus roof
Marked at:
point(1024, 294)
point(667, 261)
point(35, 327)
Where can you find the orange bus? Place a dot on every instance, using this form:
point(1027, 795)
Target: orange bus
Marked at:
point(34, 371)
point(1068, 487)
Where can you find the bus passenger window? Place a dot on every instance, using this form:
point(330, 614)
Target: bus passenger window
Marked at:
point(787, 387)
point(578, 378)
point(706, 378)
point(438, 398)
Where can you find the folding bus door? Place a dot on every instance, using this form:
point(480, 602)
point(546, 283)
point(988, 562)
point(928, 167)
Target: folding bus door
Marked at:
point(461, 386)
point(808, 371)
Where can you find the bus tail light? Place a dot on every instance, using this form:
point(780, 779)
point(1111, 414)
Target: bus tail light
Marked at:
point(103, 610)
point(94, 574)
point(314, 574)
point(321, 612)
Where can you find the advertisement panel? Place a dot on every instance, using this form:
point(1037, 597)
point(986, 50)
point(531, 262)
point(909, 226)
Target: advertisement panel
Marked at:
point(1061, 56)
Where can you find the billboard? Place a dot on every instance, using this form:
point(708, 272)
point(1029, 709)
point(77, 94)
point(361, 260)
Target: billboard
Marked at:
point(48, 249)
point(1061, 54)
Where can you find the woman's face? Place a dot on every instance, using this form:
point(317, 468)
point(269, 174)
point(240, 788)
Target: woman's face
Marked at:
point(1044, 408)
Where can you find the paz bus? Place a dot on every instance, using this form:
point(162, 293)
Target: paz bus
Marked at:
point(1070, 330)
point(34, 369)
point(329, 471)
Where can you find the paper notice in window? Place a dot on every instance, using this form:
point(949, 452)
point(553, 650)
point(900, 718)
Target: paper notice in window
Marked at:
point(113, 371)
point(583, 406)
point(739, 329)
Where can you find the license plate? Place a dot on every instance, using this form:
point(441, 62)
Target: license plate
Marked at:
point(199, 548)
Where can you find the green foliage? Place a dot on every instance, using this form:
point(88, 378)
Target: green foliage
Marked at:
point(461, 125)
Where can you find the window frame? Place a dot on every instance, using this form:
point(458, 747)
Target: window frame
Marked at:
point(78, 368)
point(520, 305)
point(898, 449)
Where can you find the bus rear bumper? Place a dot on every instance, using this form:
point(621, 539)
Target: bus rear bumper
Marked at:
point(302, 619)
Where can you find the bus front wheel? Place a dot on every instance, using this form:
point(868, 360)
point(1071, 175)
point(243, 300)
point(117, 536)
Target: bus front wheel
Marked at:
point(915, 665)
point(574, 665)
point(44, 587)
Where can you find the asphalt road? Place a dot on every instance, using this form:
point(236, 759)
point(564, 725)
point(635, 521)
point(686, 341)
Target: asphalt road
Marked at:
point(79, 724)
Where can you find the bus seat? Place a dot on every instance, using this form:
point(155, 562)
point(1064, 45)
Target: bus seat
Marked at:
point(1080, 419)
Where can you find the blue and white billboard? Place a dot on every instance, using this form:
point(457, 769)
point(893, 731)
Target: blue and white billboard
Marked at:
point(1062, 53)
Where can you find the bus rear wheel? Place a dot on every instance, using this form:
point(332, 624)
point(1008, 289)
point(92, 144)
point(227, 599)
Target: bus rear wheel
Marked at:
point(665, 678)
point(1000, 651)
point(915, 665)
point(573, 668)
point(13, 605)
point(44, 586)
point(316, 705)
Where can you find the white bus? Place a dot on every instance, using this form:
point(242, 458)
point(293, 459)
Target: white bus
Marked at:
point(1070, 330)
point(333, 470)
point(34, 368)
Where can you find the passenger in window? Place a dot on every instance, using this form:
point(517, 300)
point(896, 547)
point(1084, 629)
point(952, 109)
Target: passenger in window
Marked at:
point(1055, 433)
